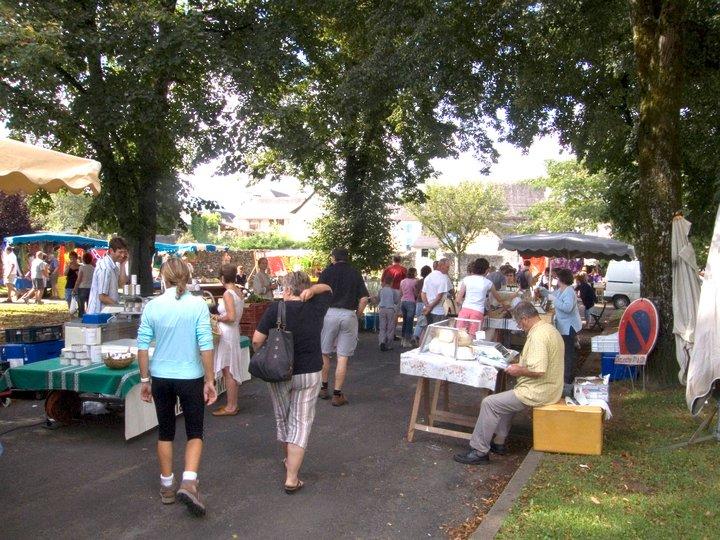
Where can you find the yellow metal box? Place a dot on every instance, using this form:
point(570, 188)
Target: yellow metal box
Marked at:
point(568, 430)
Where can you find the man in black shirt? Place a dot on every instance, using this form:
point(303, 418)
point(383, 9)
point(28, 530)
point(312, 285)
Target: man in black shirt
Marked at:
point(340, 327)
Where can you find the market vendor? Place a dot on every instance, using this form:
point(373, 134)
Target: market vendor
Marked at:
point(262, 284)
point(109, 276)
point(539, 382)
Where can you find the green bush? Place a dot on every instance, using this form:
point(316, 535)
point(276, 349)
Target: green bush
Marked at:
point(271, 240)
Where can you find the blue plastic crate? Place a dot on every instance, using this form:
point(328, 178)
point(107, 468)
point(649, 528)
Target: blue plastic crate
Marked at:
point(619, 372)
point(372, 321)
point(96, 318)
point(32, 352)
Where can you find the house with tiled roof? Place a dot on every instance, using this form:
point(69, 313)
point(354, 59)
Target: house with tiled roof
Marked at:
point(272, 210)
point(409, 237)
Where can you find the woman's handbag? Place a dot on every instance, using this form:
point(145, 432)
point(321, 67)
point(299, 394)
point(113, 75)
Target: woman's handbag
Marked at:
point(273, 362)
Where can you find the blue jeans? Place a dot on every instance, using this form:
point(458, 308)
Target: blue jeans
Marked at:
point(407, 308)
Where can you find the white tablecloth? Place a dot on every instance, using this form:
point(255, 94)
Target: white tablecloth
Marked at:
point(436, 366)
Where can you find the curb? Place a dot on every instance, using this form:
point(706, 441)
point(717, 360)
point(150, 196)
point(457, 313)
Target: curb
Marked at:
point(493, 520)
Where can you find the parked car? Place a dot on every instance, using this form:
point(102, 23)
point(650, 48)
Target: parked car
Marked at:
point(622, 283)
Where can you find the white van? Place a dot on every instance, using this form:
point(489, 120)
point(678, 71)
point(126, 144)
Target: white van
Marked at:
point(622, 283)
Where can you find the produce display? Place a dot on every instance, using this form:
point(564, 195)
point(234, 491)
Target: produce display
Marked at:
point(451, 339)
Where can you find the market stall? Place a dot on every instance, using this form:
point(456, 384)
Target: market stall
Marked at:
point(65, 241)
point(26, 168)
point(448, 354)
point(568, 245)
point(71, 384)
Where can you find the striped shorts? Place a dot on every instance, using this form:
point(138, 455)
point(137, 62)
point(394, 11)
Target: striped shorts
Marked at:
point(294, 404)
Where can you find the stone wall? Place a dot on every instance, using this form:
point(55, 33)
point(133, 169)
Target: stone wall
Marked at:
point(207, 263)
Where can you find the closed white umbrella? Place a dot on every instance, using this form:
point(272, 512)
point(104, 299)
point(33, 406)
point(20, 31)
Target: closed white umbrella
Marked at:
point(686, 293)
point(25, 168)
point(704, 368)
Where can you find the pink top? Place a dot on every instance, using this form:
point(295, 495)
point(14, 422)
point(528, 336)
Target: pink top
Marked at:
point(407, 288)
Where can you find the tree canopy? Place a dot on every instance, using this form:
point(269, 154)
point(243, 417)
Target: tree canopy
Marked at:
point(359, 118)
point(576, 200)
point(137, 86)
point(14, 215)
point(628, 85)
point(457, 214)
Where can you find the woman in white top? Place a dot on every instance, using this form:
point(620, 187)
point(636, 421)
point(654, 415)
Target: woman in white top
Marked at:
point(227, 354)
point(473, 293)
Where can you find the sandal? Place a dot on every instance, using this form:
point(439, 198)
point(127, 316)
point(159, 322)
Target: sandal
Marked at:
point(291, 490)
point(222, 411)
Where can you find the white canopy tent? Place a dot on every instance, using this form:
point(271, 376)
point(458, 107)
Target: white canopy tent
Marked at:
point(703, 375)
point(686, 293)
point(25, 168)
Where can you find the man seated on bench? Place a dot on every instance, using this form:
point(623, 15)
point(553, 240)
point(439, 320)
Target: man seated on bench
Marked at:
point(539, 382)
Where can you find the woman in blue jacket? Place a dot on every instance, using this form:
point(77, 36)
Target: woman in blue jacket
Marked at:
point(567, 316)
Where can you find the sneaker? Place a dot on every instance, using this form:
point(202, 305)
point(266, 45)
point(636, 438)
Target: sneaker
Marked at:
point(383, 347)
point(499, 449)
point(473, 457)
point(167, 494)
point(190, 495)
point(324, 394)
point(339, 401)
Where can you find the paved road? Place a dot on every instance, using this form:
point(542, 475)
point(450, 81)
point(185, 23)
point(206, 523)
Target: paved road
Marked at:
point(363, 480)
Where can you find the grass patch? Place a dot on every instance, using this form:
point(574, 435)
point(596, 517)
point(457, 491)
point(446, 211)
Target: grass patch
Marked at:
point(635, 489)
point(20, 315)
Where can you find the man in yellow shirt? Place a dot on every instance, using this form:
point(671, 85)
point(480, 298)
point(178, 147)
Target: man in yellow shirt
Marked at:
point(539, 382)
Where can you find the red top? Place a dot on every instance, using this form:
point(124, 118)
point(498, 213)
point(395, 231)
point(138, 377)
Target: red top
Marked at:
point(397, 272)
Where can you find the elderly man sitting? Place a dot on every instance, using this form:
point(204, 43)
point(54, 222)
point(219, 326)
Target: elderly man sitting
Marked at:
point(539, 382)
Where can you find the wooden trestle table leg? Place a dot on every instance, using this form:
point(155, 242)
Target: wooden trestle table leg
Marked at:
point(415, 408)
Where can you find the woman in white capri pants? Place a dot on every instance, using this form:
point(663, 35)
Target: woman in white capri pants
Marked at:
point(294, 401)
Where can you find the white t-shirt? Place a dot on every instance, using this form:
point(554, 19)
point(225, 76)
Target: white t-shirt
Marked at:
point(10, 261)
point(476, 291)
point(36, 269)
point(436, 283)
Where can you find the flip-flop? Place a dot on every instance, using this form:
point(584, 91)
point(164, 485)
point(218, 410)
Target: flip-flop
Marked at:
point(222, 411)
point(291, 490)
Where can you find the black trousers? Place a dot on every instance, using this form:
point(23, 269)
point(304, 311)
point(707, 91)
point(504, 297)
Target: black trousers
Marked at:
point(569, 341)
point(165, 393)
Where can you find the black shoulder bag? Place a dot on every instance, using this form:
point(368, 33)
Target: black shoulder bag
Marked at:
point(273, 362)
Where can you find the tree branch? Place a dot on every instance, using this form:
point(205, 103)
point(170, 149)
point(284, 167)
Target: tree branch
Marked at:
point(72, 81)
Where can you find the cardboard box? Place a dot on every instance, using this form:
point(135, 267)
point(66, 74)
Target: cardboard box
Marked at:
point(591, 388)
point(566, 429)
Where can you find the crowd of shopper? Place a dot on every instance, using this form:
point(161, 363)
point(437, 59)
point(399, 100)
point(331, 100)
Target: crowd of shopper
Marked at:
point(323, 320)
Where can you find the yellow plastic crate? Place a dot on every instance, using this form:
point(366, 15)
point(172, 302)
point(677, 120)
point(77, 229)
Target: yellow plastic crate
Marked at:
point(565, 429)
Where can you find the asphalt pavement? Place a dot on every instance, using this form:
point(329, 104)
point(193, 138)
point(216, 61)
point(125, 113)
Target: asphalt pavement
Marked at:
point(362, 478)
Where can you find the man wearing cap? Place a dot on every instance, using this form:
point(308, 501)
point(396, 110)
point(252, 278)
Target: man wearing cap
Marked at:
point(340, 327)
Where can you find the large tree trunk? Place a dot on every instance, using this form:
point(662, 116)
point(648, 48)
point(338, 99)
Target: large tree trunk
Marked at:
point(144, 243)
point(657, 37)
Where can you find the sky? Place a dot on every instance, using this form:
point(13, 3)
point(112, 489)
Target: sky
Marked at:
point(513, 165)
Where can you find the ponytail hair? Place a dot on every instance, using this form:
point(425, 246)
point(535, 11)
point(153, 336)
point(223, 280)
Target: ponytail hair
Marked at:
point(176, 274)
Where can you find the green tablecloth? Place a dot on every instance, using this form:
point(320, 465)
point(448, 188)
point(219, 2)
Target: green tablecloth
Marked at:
point(97, 378)
point(50, 375)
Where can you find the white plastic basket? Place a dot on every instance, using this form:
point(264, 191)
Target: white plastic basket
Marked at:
point(608, 343)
